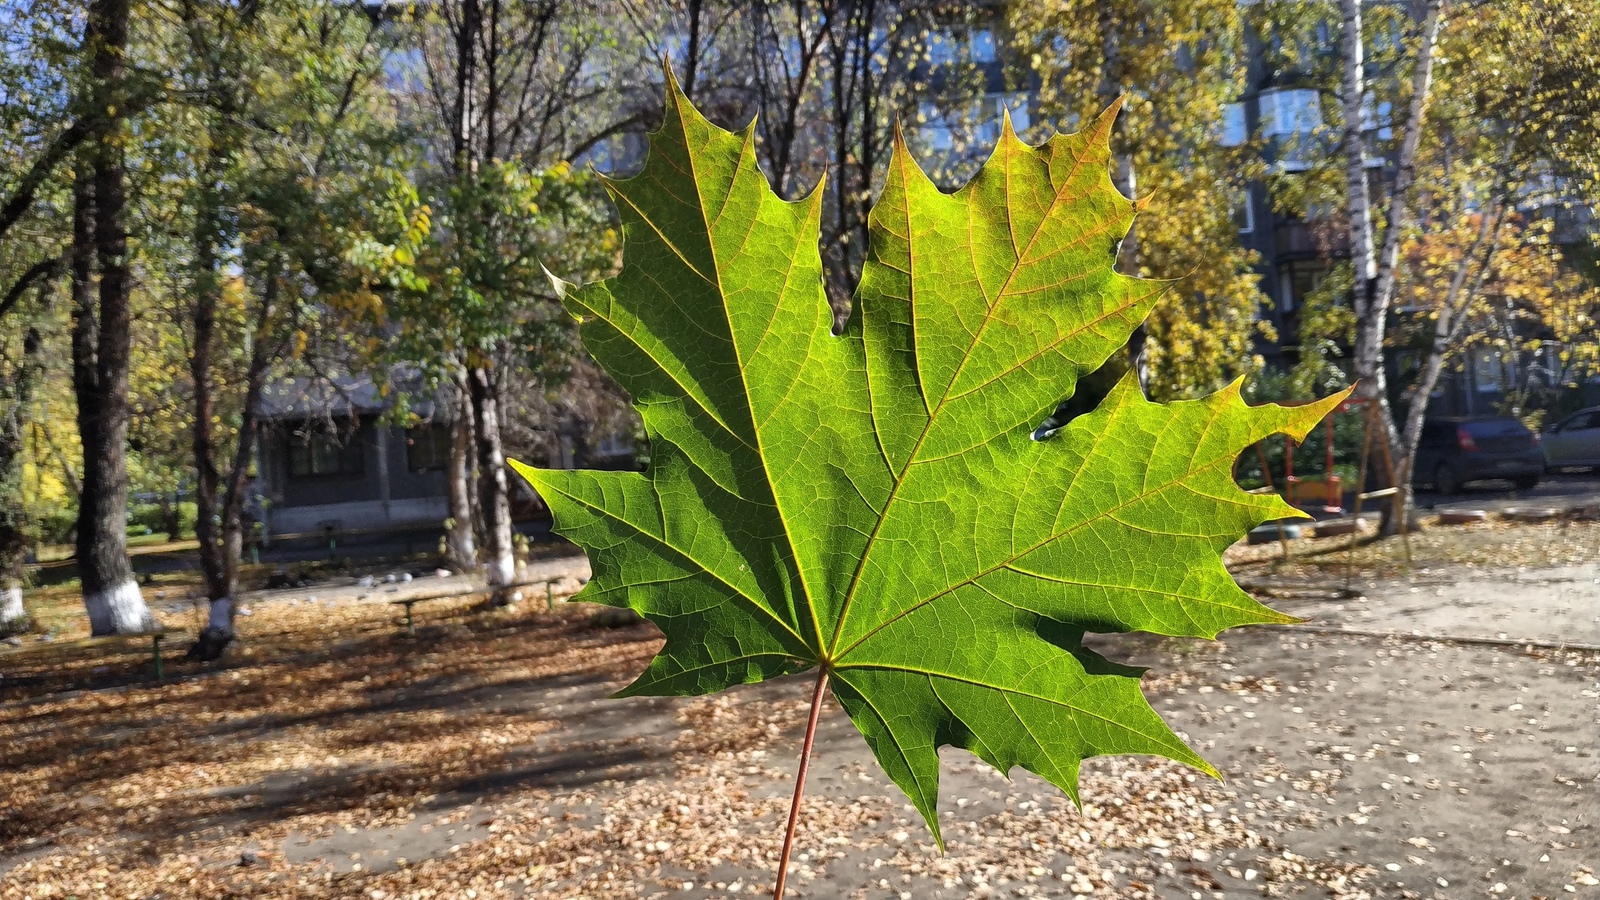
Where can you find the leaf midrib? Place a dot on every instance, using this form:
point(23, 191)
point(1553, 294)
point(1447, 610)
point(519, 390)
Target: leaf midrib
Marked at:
point(733, 342)
point(883, 515)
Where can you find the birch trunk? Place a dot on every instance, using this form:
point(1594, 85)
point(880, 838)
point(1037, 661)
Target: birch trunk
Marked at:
point(13, 615)
point(1369, 371)
point(1447, 329)
point(223, 593)
point(1375, 275)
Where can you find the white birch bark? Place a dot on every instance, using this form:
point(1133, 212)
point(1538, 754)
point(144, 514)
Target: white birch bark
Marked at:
point(1375, 274)
point(1358, 203)
point(120, 610)
point(499, 565)
point(219, 621)
point(13, 617)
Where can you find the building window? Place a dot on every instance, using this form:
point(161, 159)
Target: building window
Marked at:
point(1285, 290)
point(1234, 130)
point(428, 447)
point(1244, 215)
point(935, 127)
point(959, 44)
point(1017, 104)
point(316, 449)
point(614, 445)
point(1488, 371)
point(982, 45)
point(1290, 112)
point(1297, 281)
point(1377, 117)
point(1291, 117)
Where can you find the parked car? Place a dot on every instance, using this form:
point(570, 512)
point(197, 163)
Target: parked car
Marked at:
point(1574, 441)
point(1455, 451)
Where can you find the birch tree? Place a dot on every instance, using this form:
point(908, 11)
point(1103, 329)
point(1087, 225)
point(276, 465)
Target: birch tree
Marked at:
point(1374, 264)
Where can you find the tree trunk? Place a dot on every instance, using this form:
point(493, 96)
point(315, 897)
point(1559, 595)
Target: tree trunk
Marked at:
point(219, 632)
point(13, 615)
point(493, 492)
point(172, 515)
point(460, 544)
point(16, 390)
point(110, 593)
point(207, 291)
point(691, 63)
point(1371, 381)
point(1447, 330)
point(1375, 277)
point(466, 75)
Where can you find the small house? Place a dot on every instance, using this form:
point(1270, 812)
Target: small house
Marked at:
point(324, 460)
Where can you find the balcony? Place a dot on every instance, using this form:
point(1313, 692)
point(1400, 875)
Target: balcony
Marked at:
point(1318, 239)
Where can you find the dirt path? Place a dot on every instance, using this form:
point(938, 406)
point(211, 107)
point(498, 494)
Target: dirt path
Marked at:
point(485, 760)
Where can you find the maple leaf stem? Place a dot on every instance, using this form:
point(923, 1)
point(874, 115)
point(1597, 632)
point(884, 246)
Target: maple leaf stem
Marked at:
point(800, 780)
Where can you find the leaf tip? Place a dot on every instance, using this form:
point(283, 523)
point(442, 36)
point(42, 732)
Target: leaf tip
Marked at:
point(1102, 125)
point(562, 287)
point(528, 473)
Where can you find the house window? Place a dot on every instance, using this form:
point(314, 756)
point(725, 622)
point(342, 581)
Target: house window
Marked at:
point(614, 445)
point(1290, 112)
point(1291, 117)
point(1285, 290)
point(1018, 105)
point(428, 447)
point(961, 44)
point(942, 47)
point(315, 449)
point(1234, 131)
point(1299, 280)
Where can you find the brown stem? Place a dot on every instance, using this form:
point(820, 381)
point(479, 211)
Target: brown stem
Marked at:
point(800, 781)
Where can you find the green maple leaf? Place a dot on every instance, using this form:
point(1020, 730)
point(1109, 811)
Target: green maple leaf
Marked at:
point(874, 503)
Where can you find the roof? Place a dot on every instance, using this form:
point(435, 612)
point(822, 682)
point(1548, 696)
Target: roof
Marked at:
point(349, 395)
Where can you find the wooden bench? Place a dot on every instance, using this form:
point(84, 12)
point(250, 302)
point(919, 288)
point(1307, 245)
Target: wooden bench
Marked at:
point(408, 602)
point(154, 637)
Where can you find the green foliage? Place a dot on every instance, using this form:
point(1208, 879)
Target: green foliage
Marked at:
point(1327, 325)
point(462, 275)
point(873, 503)
point(147, 518)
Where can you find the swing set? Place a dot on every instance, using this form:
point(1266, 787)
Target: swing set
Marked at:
point(1328, 489)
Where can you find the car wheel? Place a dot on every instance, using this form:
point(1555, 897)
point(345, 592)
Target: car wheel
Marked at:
point(1526, 482)
point(1445, 480)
